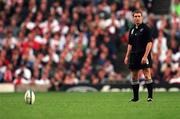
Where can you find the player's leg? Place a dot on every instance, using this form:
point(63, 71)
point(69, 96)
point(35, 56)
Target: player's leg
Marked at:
point(149, 83)
point(135, 85)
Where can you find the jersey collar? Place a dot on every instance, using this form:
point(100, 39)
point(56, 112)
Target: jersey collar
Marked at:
point(139, 26)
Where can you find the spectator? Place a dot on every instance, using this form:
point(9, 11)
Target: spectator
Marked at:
point(160, 47)
point(65, 42)
point(24, 71)
point(176, 7)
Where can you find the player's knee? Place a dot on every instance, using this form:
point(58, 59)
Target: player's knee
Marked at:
point(147, 77)
point(134, 76)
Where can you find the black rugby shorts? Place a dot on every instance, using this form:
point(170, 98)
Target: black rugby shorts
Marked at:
point(135, 61)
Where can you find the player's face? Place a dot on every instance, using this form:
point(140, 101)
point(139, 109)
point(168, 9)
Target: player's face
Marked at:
point(137, 18)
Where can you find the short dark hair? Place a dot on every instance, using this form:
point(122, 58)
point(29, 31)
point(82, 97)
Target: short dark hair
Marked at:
point(137, 11)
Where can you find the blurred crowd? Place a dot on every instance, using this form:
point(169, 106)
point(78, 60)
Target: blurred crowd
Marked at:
point(65, 42)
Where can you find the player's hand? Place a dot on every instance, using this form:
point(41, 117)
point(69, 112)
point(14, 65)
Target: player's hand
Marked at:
point(126, 60)
point(144, 60)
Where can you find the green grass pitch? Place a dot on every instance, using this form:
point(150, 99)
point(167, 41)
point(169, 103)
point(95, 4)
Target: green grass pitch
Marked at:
point(89, 106)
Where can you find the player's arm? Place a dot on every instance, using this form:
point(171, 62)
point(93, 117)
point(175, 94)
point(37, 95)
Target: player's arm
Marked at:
point(128, 53)
point(148, 49)
point(148, 46)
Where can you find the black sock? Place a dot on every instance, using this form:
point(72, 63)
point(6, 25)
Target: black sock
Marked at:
point(150, 90)
point(135, 91)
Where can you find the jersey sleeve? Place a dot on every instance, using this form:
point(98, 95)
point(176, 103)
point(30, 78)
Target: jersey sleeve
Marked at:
point(129, 38)
point(148, 35)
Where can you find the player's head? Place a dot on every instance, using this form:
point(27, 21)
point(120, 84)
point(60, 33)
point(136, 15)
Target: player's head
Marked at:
point(137, 16)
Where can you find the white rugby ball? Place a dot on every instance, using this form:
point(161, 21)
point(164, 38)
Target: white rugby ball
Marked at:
point(29, 97)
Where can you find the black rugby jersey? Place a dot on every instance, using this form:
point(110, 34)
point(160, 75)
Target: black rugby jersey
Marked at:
point(139, 37)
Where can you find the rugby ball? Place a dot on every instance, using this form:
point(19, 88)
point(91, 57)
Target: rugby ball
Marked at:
point(29, 97)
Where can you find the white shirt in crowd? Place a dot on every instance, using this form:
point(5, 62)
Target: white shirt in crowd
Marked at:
point(163, 48)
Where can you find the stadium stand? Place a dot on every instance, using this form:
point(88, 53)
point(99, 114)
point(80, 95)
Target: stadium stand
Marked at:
point(69, 42)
